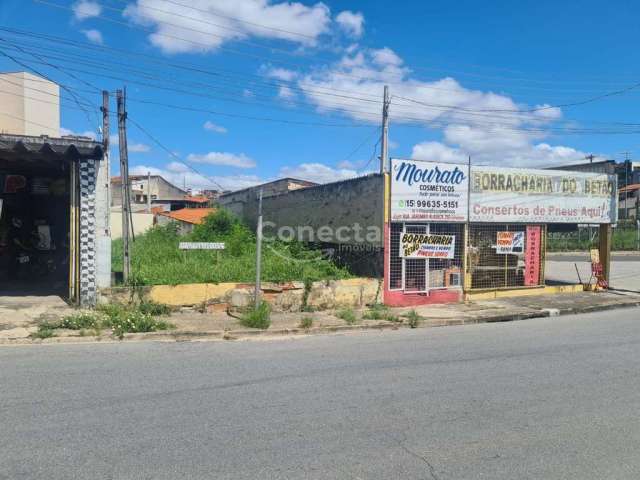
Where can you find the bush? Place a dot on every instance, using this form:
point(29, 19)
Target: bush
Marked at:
point(413, 319)
point(306, 322)
point(258, 317)
point(348, 315)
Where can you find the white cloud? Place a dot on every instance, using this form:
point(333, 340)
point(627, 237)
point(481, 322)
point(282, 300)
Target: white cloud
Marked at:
point(279, 73)
point(223, 158)
point(179, 29)
point(285, 93)
point(490, 127)
point(94, 36)
point(318, 172)
point(351, 23)
point(64, 132)
point(138, 147)
point(212, 127)
point(436, 151)
point(84, 9)
point(179, 177)
point(132, 147)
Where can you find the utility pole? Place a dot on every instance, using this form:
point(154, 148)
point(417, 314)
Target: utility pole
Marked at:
point(105, 162)
point(590, 157)
point(384, 143)
point(124, 175)
point(149, 192)
point(258, 249)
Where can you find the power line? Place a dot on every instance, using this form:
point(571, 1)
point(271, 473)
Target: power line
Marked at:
point(173, 154)
point(73, 95)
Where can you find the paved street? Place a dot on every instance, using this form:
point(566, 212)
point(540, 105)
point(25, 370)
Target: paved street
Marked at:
point(554, 398)
point(625, 269)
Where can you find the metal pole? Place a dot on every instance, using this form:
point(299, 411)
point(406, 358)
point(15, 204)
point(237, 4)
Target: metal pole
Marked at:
point(258, 249)
point(124, 174)
point(637, 234)
point(149, 192)
point(384, 143)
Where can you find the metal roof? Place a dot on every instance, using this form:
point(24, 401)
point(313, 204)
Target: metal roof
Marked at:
point(70, 146)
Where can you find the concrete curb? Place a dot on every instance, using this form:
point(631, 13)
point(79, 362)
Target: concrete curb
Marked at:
point(221, 335)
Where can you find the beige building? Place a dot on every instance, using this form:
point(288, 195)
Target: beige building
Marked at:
point(30, 105)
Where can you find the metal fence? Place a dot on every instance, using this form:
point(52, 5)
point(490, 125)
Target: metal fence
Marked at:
point(414, 275)
point(506, 255)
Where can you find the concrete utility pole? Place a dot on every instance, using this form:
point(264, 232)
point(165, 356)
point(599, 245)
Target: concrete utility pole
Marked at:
point(149, 192)
point(124, 175)
point(258, 249)
point(106, 155)
point(384, 143)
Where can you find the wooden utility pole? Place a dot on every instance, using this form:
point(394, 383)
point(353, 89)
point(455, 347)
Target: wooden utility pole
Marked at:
point(258, 250)
point(384, 142)
point(124, 175)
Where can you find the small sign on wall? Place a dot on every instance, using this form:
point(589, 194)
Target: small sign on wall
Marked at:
point(201, 246)
point(510, 242)
point(417, 245)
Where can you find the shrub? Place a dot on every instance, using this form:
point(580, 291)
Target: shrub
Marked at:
point(259, 317)
point(413, 319)
point(348, 315)
point(306, 322)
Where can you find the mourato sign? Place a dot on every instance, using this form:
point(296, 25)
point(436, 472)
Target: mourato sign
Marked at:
point(428, 191)
point(444, 192)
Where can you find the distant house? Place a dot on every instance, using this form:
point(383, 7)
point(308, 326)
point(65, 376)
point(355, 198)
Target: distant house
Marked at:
point(186, 218)
point(141, 186)
point(629, 202)
point(235, 201)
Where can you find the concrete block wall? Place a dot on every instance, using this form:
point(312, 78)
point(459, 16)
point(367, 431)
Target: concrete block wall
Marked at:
point(339, 204)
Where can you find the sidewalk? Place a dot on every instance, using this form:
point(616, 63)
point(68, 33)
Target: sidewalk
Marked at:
point(192, 325)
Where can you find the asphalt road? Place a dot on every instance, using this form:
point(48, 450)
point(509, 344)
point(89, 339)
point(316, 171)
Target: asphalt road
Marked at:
point(554, 398)
point(625, 270)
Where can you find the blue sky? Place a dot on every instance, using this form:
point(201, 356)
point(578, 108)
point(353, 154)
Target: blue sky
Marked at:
point(269, 88)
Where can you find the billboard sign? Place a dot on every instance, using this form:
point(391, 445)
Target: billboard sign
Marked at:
point(419, 245)
point(501, 194)
point(428, 191)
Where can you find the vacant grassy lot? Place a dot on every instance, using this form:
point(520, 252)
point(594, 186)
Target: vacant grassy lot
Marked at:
point(156, 259)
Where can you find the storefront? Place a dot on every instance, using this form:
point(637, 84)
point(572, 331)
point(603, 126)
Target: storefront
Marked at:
point(53, 223)
point(456, 228)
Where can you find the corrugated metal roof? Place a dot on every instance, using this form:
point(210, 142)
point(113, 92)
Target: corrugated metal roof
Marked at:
point(72, 147)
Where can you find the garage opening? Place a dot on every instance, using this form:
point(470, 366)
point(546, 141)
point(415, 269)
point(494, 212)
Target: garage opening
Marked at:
point(35, 198)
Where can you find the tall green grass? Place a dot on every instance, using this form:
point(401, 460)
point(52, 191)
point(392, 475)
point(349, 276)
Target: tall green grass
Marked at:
point(156, 259)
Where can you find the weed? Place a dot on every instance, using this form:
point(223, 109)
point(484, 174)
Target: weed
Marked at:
point(377, 312)
point(259, 317)
point(306, 322)
point(135, 321)
point(44, 331)
point(158, 260)
point(152, 308)
point(413, 319)
point(348, 315)
point(81, 321)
